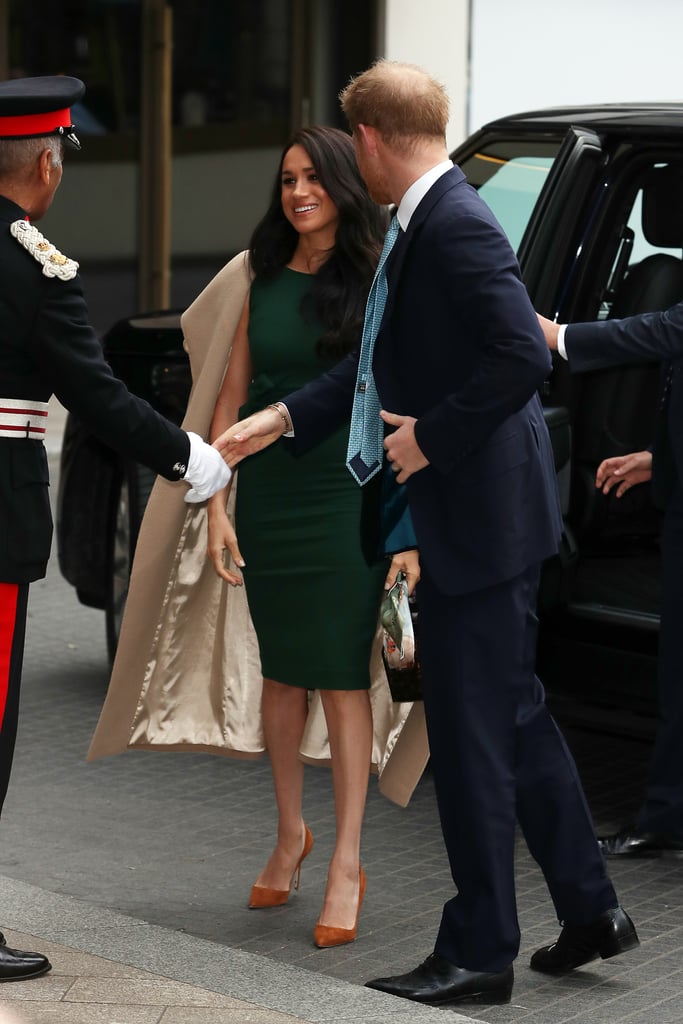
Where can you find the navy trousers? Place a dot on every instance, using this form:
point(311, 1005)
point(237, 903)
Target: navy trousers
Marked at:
point(498, 758)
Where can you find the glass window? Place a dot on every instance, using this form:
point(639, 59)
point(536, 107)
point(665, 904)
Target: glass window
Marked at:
point(231, 62)
point(641, 246)
point(509, 176)
point(655, 232)
point(96, 40)
point(231, 66)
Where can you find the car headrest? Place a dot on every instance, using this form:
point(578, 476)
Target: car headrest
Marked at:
point(654, 283)
point(663, 207)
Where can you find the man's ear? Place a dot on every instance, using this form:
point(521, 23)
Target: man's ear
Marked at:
point(368, 137)
point(45, 166)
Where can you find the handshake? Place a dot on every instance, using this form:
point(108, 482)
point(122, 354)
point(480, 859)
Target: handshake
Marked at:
point(209, 467)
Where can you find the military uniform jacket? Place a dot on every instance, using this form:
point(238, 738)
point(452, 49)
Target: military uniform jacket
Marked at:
point(47, 346)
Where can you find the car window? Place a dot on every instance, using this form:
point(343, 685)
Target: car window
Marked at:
point(509, 175)
point(649, 255)
point(641, 246)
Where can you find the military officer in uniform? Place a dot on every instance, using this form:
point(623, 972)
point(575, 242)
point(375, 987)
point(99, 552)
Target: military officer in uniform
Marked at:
point(48, 346)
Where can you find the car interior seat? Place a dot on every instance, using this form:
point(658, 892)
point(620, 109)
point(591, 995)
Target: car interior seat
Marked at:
point(618, 406)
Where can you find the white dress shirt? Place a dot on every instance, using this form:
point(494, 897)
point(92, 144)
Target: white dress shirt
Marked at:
point(418, 190)
point(561, 347)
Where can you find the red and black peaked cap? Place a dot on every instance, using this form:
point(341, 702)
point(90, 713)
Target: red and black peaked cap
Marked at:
point(34, 107)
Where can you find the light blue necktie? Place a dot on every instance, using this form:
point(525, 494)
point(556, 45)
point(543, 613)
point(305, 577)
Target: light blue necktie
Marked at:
point(366, 436)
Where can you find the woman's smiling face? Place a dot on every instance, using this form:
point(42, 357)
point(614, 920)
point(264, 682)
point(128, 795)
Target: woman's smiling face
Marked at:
point(305, 203)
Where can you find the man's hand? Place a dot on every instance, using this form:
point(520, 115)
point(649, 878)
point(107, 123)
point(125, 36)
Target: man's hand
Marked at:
point(402, 449)
point(550, 331)
point(624, 470)
point(205, 472)
point(407, 562)
point(250, 435)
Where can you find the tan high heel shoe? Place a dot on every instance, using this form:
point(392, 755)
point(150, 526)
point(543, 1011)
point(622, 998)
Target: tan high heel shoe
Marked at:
point(325, 935)
point(261, 896)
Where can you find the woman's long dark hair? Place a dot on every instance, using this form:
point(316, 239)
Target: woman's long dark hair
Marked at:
point(340, 287)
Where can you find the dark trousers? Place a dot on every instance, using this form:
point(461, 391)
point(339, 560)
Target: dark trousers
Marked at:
point(498, 758)
point(13, 603)
point(662, 810)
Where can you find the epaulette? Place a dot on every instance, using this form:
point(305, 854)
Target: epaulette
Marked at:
point(55, 263)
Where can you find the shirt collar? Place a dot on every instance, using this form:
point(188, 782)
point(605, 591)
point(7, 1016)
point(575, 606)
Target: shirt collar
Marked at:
point(418, 190)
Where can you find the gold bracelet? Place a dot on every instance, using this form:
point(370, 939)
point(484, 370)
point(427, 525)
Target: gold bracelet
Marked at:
point(278, 406)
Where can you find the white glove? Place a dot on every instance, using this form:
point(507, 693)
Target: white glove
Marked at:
point(206, 470)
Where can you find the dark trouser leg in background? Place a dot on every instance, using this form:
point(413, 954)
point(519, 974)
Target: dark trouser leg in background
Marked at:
point(662, 810)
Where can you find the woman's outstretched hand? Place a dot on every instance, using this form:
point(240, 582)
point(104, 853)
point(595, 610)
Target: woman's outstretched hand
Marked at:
point(250, 435)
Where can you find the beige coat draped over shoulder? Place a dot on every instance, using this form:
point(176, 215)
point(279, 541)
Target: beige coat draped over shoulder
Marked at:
point(187, 675)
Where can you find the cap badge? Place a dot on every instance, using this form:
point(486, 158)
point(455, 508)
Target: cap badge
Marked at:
point(54, 263)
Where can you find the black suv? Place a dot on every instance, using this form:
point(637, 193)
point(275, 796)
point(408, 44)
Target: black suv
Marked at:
point(592, 200)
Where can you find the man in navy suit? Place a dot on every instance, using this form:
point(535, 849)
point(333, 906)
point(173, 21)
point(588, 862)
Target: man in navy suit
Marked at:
point(658, 828)
point(458, 360)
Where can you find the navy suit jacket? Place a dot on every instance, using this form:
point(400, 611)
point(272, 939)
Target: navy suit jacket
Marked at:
point(461, 350)
point(646, 338)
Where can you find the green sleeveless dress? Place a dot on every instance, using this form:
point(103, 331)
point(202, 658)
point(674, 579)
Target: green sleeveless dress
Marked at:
point(313, 599)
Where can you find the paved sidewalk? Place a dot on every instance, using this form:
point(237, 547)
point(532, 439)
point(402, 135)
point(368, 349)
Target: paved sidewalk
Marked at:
point(112, 969)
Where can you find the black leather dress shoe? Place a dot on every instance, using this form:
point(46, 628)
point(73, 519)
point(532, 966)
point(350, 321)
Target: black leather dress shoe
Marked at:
point(17, 966)
point(634, 842)
point(437, 981)
point(610, 934)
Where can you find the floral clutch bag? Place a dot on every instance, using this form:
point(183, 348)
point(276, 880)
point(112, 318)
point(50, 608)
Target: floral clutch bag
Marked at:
point(399, 648)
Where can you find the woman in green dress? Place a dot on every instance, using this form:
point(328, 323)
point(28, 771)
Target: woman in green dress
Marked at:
point(312, 594)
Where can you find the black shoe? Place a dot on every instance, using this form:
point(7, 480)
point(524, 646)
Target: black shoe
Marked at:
point(610, 934)
point(634, 842)
point(438, 981)
point(16, 966)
